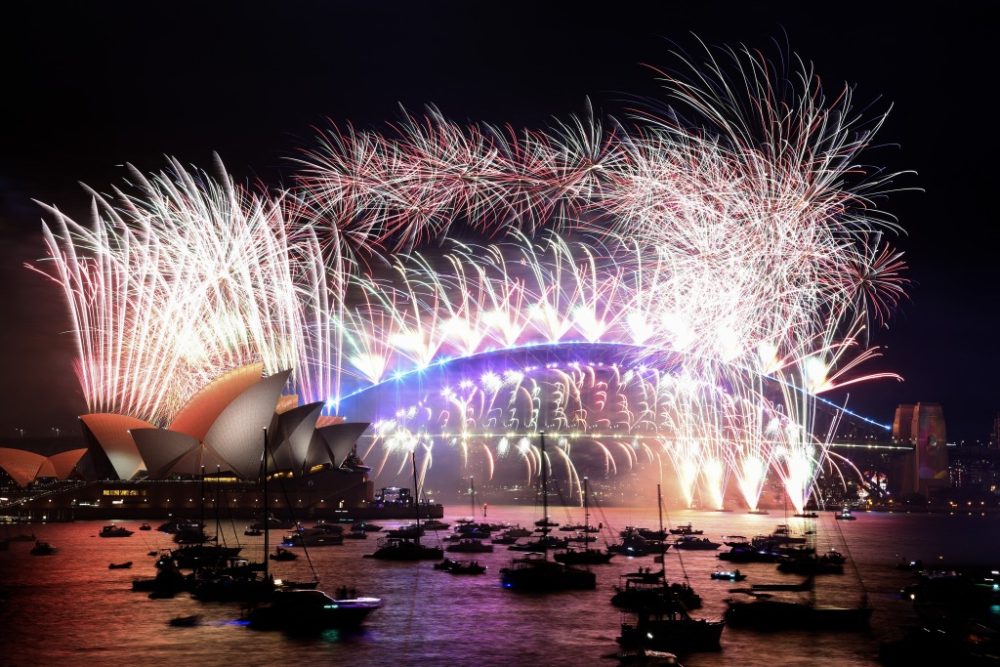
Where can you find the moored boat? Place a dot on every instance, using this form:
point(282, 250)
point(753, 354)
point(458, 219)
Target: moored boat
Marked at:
point(773, 614)
point(42, 549)
point(311, 610)
point(695, 543)
point(115, 531)
point(671, 629)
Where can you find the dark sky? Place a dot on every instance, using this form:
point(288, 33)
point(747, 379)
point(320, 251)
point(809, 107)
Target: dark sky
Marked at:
point(89, 86)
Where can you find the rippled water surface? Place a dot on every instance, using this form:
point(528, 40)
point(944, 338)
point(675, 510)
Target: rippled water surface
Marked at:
point(70, 609)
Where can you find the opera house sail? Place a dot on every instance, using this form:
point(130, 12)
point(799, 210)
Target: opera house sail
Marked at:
point(132, 468)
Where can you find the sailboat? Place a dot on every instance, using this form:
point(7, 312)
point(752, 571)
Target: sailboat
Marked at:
point(778, 614)
point(535, 572)
point(237, 580)
point(663, 623)
point(584, 556)
point(408, 548)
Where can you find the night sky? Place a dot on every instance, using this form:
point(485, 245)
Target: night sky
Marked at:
point(90, 86)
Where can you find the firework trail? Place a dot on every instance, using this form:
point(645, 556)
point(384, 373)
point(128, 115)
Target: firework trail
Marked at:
point(736, 230)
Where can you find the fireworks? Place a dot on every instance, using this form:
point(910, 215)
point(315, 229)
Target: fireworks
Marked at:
point(738, 257)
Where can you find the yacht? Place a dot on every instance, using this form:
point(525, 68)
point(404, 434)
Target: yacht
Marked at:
point(695, 543)
point(42, 549)
point(470, 546)
point(671, 629)
point(774, 614)
point(583, 557)
point(115, 531)
point(535, 573)
point(404, 548)
point(305, 610)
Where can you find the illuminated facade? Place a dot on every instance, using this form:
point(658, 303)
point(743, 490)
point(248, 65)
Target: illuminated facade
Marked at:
point(923, 426)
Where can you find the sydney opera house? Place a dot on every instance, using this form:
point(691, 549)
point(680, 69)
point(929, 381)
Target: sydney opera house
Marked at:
point(211, 454)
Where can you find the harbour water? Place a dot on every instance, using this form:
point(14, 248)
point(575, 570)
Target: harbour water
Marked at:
point(70, 609)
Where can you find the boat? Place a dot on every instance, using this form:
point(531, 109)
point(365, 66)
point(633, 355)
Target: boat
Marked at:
point(445, 564)
point(185, 621)
point(773, 614)
point(42, 549)
point(636, 545)
point(469, 546)
point(647, 590)
point(584, 556)
point(810, 565)
point(735, 541)
point(806, 515)
point(115, 531)
point(695, 543)
point(237, 579)
point(467, 567)
point(311, 610)
point(197, 556)
point(283, 555)
point(356, 535)
point(366, 527)
point(191, 536)
point(685, 530)
point(535, 573)
point(728, 575)
point(757, 551)
point(644, 656)
point(145, 526)
point(167, 582)
point(313, 537)
point(407, 548)
point(253, 532)
point(806, 585)
point(120, 566)
point(845, 515)
point(671, 629)
point(517, 531)
point(178, 525)
point(410, 531)
point(663, 623)
point(543, 543)
point(434, 524)
point(782, 535)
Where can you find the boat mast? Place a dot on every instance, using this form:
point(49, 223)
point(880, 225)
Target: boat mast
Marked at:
point(201, 512)
point(416, 493)
point(472, 494)
point(545, 497)
point(663, 551)
point(586, 508)
point(267, 523)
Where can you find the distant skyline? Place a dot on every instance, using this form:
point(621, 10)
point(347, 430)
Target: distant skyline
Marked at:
point(97, 86)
